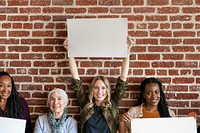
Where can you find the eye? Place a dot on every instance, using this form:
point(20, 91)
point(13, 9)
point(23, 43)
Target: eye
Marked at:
point(157, 92)
point(1, 85)
point(96, 87)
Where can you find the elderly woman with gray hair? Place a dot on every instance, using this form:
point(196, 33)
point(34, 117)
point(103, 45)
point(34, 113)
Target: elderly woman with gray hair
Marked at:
point(57, 119)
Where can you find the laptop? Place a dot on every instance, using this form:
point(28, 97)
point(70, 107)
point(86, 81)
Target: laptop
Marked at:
point(10, 125)
point(164, 125)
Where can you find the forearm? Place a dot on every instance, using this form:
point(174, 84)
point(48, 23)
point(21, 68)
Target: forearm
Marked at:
point(73, 68)
point(125, 68)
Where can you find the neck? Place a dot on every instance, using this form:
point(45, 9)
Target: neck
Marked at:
point(3, 103)
point(98, 103)
point(150, 108)
point(57, 115)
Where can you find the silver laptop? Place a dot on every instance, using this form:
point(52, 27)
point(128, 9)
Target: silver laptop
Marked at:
point(10, 125)
point(164, 125)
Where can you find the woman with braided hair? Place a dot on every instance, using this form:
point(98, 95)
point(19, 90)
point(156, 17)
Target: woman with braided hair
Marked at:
point(11, 105)
point(151, 104)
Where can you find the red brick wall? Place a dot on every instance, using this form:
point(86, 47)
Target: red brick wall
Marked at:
point(167, 46)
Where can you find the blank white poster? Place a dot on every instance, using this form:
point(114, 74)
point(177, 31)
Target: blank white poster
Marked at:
point(102, 37)
point(10, 125)
point(164, 125)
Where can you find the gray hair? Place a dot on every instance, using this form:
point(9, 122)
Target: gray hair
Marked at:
point(60, 91)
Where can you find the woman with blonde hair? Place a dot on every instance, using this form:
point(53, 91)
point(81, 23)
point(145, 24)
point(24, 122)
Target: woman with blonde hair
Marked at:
point(99, 108)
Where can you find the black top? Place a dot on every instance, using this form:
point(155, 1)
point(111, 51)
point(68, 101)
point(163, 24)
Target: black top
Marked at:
point(97, 122)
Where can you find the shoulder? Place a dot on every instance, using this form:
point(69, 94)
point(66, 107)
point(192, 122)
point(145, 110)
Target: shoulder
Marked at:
point(135, 111)
point(71, 120)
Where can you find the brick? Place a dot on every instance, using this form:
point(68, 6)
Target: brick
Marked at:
point(177, 88)
point(36, 102)
point(160, 33)
point(20, 63)
point(162, 64)
point(3, 33)
point(148, 72)
point(147, 41)
point(31, 41)
point(187, 96)
point(120, 10)
point(38, 25)
point(44, 71)
point(52, 10)
point(157, 2)
point(143, 9)
point(184, 34)
point(86, 2)
point(158, 49)
point(180, 18)
point(17, 2)
point(183, 48)
point(30, 10)
point(62, 2)
point(98, 10)
point(2, 17)
point(182, 2)
point(183, 80)
point(186, 64)
point(109, 2)
point(43, 79)
point(53, 86)
point(42, 33)
point(22, 79)
point(191, 10)
point(61, 26)
point(170, 41)
point(54, 56)
point(91, 64)
point(139, 64)
point(40, 3)
point(42, 48)
point(8, 10)
point(40, 18)
point(148, 57)
point(178, 103)
point(44, 63)
point(156, 18)
point(132, 2)
point(168, 10)
point(18, 49)
point(192, 57)
point(2, 3)
point(24, 94)
point(19, 33)
point(9, 56)
point(75, 10)
point(31, 87)
point(18, 18)
point(173, 57)
point(134, 17)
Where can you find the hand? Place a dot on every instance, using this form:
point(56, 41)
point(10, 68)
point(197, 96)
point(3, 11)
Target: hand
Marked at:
point(129, 42)
point(65, 43)
point(192, 114)
point(125, 117)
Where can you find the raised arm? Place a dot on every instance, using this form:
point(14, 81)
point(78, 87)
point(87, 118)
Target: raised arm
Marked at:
point(125, 64)
point(72, 63)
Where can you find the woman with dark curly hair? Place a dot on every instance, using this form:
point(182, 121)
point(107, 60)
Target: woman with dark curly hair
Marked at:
point(11, 105)
point(151, 104)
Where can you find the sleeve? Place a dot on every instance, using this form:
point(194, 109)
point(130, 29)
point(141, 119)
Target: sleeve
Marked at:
point(121, 86)
point(38, 126)
point(26, 115)
point(171, 113)
point(79, 91)
point(73, 127)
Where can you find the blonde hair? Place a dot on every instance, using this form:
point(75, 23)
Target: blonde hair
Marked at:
point(106, 102)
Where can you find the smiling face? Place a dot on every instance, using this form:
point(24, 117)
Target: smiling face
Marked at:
point(99, 91)
point(152, 94)
point(5, 87)
point(57, 103)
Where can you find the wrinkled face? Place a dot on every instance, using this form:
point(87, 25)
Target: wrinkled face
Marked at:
point(57, 103)
point(152, 94)
point(5, 87)
point(99, 91)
